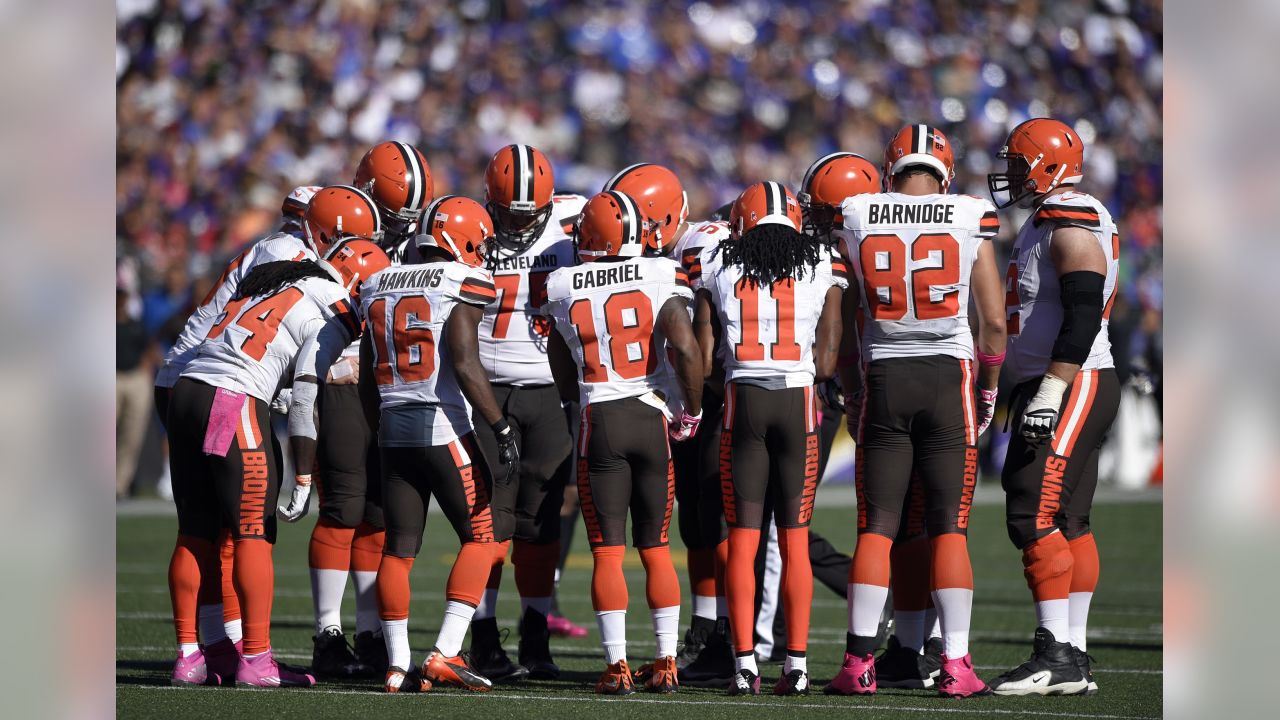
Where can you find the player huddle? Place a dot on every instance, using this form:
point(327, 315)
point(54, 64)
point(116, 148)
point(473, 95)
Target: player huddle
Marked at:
point(484, 355)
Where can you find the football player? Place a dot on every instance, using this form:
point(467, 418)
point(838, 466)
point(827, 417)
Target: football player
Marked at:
point(285, 319)
point(918, 254)
point(531, 226)
point(1061, 284)
point(706, 657)
point(624, 347)
point(420, 374)
point(348, 536)
point(775, 299)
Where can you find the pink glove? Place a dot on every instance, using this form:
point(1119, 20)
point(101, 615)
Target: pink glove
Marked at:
point(686, 427)
point(986, 408)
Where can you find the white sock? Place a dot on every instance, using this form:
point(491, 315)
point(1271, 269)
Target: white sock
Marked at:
point(1052, 615)
point(186, 649)
point(955, 607)
point(327, 587)
point(866, 602)
point(666, 625)
point(234, 630)
point(210, 622)
point(794, 662)
point(457, 618)
point(488, 606)
point(395, 633)
point(704, 606)
point(931, 622)
point(540, 605)
point(613, 634)
point(908, 627)
point(366, 600)
point(722, 606)
point(1078, 612)
point(746, 662)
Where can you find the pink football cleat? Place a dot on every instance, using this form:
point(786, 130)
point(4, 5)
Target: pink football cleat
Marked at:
point(856, 677)
point(223, 658)
point(190, 670)
point(263, 671)
point(564, 627)
point(958, 679)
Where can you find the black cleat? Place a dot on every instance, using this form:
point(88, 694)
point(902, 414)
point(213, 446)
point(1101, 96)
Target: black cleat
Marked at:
point(902, 667)
point(714, 665)
point(745, 682)
point(1052, 669)
point(1084, 661)
point(535, 647)
point(371, 651)
point(331, 656)
point(795, 682)
point(487, 656)
point(695, 638)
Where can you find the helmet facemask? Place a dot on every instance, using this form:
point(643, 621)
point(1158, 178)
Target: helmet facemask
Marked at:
point(818, 219)
point(518, 226)
point(1015, 183)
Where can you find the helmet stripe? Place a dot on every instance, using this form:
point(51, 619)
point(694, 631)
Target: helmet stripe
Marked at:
point(920, 138)
point(630, 218)
point(415, 187)
point(773, 199)
point(517, 172)
point(613, 181)
point(522, 172)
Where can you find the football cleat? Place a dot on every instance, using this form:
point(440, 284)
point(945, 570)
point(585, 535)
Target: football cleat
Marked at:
point(371, 652)
point(487, 655)
point(1083, 660)
point(263, 671)
point(398, 680)
point(331, 656)
point(561, 626)
point(191, 670)
point(616, 680)
point(660, 676)
point(222, 660)
point(1051, 670)
point(714, 666)
point(902, 667)
point(695, 638)
point(745, 682)
point(454, 672)
point(535, 647)
point(957, 679)
point(857, 676)
point(795, 682)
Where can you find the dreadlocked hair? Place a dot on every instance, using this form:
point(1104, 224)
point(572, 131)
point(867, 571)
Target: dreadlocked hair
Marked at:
point(270, 278)
point(768, 253)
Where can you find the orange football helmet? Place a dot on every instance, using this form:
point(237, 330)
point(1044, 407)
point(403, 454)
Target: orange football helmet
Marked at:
point(351, 261)
point(458, 226)
point(919, 145)
point(295, 203)
point(827, 183)
point(337, 212)
point(1042, 154)
point(396, 175)
point(613, 224)
point(762, 204)
point(661, 196)
point(518, 186)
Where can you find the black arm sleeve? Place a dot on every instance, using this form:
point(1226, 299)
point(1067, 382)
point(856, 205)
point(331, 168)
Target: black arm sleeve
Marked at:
point(1081, 316)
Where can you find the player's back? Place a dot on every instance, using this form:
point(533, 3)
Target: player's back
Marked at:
point(255, 341)
point(607, 311)
point(913, 256)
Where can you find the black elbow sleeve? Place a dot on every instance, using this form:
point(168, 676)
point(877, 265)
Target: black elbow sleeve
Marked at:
point(1081, 316)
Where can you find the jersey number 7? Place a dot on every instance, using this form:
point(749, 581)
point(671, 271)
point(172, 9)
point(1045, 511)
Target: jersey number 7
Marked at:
point(415, 345)
point(508, 284)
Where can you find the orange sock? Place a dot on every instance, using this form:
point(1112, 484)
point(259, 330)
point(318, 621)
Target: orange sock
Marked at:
point(230, 601)
point(702, 571)
point(470, 573)
point(255, 584)
point(741, 581)
point(1047, 565)
point(909, 564)
point(393, 587)
point(535, 568)
point(950, 567)
point(870, 564)
point(608, 583)
point(495, 570)
point(330, 547)
point(1085, 566)
point(797, 586)
point(662, 585)
point(366, 548)
point(194, 564)
point(722, 566)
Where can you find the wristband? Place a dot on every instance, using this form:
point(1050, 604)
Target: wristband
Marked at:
point(500, 427)
point(303, 480)
point(988, 396)
point(989, 360)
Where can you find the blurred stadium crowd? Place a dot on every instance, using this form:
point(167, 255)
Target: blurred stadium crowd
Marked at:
point(224, 106)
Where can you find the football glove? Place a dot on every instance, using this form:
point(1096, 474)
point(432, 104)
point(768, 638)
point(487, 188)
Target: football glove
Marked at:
point(299, 503)
point(831, 394)
point(280, 403)
point(686, 427)
point(986, 408)
point(346, 371)
point(508, 452)
point(1041, 413)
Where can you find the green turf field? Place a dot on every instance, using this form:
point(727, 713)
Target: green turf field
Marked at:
point(1125, 637)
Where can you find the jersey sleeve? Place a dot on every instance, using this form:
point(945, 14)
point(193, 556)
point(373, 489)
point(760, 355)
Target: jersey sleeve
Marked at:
point(324, 343)
point(839, 271)
point(988, 220)
point(691, 263)
point(1070, 210)
point(476, 288)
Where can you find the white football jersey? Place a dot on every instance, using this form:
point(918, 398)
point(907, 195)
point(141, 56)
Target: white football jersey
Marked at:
point(695, 249)
point(1032, 294)
point(278, 246)
point(607, 312)
point(254, 346)
point(513, 334)
point(405, 309)
point(913, 256)
point(767, 333)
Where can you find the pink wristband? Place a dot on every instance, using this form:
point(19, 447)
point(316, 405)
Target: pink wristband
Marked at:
point(989, 360)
